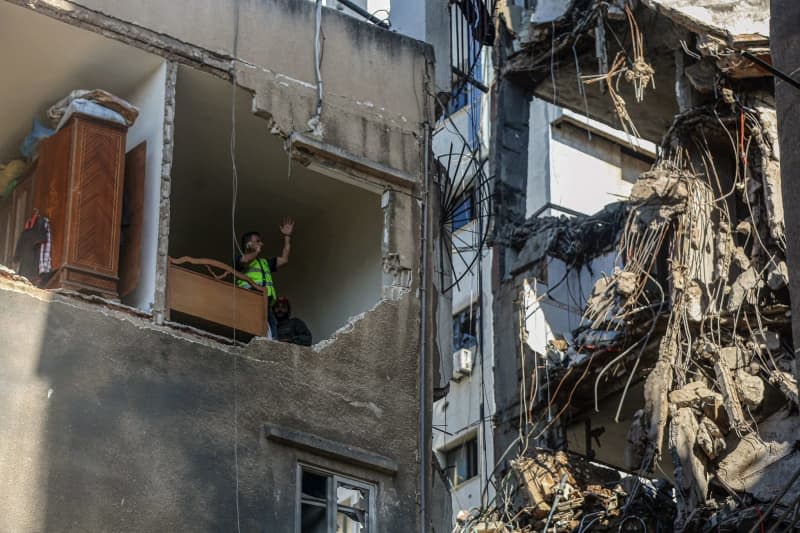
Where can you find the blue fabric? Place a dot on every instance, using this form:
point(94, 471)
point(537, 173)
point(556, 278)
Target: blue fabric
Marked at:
point(30, 144)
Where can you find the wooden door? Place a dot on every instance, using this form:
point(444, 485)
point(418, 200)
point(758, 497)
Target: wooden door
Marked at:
point(130, 245)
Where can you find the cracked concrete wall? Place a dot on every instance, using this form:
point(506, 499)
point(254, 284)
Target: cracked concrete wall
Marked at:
point(376, 83)
point(114, 424)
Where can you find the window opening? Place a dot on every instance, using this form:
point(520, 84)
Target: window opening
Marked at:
point(465, 328)
point(330, 503)
point(334, 269)
point(462, 462)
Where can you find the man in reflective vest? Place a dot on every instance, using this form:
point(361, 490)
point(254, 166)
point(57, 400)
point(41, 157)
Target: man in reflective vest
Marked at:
point(259, 269)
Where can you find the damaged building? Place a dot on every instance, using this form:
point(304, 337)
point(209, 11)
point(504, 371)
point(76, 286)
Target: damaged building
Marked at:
point(651, 383)
point(140, 390)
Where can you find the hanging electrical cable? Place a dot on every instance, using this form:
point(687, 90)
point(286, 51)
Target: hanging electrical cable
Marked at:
point(315, 123)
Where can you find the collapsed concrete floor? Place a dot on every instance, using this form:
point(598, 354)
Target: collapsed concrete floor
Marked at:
point(697, 314)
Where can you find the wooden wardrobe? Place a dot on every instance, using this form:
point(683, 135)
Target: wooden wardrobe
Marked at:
point(78, 185)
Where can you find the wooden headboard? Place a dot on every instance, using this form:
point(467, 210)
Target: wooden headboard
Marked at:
point(213, 298)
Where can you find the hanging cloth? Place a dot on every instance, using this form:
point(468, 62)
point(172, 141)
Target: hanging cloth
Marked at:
point(45, 249)
point(27, 251)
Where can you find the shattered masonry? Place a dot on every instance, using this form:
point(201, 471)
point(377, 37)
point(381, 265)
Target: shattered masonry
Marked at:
point(697, 310)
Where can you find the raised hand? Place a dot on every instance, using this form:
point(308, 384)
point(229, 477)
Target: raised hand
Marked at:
point(287, 226)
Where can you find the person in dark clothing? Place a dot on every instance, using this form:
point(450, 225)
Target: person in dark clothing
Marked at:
point(290, 329)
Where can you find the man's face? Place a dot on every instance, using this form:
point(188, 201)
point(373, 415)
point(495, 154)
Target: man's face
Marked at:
point(281, 310)
point(254, 244)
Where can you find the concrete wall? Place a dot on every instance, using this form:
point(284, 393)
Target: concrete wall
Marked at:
point(113, 424)
point(459, 415)
point(579, 163)
point(372, 108)
point(149, 127)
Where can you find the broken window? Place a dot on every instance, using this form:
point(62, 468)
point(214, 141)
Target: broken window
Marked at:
point(465, 328)
point(462, 462)
point(330, 503)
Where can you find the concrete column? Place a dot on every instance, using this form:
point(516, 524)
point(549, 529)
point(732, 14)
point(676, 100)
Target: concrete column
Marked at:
point(162, 253)
point(785, 48)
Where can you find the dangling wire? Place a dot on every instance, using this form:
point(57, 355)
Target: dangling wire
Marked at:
point(236, 251)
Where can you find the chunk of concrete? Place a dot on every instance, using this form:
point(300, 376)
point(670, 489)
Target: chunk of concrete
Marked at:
point(710, 438)
point(627, 283)
point(777, 275)
point(733, 406)
point(732, 356)
point(787, 385)
point(750, 388)
point(761, 464)
point(694, 302)
point(690, 472)
point(686, 396)
point(744, 289)
point(697, 395)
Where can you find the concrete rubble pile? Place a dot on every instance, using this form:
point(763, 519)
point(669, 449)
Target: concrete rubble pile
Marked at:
point(721, 397)
point(557, 491)
point(700, 310)
point(574, 240)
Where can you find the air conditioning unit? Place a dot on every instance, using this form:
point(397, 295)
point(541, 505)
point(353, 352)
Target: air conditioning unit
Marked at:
point(462, 362)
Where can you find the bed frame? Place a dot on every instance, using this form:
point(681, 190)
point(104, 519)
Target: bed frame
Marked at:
point(215, 300)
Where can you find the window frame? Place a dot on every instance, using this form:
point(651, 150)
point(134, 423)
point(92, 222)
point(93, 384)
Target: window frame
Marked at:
point(473, 319)
point(334, 479)
point(461, 448)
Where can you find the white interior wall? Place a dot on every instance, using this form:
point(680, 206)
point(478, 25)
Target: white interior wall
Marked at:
point(570, 168)
point(585, 173)
point(560, 312)
point(149, 97)
point(334, 272)
point(60, 59)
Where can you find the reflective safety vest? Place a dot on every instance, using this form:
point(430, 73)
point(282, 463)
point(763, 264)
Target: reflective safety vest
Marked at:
point(258, 271)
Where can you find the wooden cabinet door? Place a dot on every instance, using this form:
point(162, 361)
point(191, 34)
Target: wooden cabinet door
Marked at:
point(50, 192)
point(96, 198)
point(130, 246)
